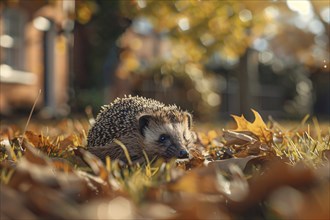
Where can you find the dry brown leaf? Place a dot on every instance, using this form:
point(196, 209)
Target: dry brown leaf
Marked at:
point(6, 133)
point(70, 141)
point(224, 165)
point(237, 138)
point(199, 180)
point(10, 211)
point(35, 156)
point(301, 205)
point(37, 140)
point(94, 163)
point(196, 159)
point(278, 174)
point(61, 164)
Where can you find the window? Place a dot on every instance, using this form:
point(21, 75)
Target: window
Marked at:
point(12, 38)
point(12, 48)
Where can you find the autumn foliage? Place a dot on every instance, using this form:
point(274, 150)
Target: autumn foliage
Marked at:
point(258, 170)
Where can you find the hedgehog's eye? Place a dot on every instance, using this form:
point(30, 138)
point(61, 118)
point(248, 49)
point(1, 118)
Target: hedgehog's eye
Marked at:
point(163, 138)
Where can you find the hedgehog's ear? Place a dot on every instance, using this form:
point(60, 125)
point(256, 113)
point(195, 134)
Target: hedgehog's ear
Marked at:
point(144, 122)
point(188, 119)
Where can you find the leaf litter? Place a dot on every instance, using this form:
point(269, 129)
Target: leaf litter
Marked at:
point(258, 170)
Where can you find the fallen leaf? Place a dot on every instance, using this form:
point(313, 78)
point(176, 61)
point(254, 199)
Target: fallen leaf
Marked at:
point(203, 138)
point(37, 140)
point(238, 138)
point(224, 165)
point(94, 163)
point(258, 127)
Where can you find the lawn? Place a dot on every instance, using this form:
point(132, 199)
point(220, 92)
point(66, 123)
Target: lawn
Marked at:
point(241, 170)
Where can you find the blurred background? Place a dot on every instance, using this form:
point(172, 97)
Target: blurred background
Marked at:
point(213, 58)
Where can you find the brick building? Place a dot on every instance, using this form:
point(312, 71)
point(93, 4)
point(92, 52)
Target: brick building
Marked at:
point(34, 55)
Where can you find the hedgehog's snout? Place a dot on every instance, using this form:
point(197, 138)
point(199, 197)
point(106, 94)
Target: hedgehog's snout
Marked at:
point(183, 154)
point(175, 151)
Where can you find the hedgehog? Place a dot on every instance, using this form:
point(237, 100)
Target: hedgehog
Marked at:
point(146, 127)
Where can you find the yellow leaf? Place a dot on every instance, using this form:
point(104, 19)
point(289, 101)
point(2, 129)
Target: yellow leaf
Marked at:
point(241, 123)
point(212, 135)
point(203, 138)
point(258, 120)
point(258, 127)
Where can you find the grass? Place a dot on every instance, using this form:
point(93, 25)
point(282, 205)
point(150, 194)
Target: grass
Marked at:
point(50, 174)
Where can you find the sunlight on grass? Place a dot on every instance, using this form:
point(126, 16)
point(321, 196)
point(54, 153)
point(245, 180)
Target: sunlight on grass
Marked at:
point(257, 158)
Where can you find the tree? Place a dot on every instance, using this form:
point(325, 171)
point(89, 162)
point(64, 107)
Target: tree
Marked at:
point(218, 33)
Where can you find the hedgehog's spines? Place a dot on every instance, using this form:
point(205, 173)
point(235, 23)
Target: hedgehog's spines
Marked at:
point(120, 117)
point(121, 120)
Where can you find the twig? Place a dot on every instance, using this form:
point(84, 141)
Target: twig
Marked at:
point(28, 121)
